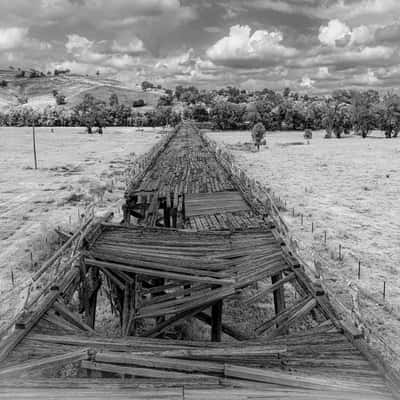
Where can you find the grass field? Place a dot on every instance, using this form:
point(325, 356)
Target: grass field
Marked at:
point(350, 189)
point(74, 169)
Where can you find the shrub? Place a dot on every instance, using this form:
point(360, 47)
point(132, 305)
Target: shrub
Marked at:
point(3, 83)
point(257, 134)
point(139, 103)
point(60, 99)
point(22, 100)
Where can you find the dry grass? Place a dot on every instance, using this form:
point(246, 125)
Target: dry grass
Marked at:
point(75, 169)
point(348, 188)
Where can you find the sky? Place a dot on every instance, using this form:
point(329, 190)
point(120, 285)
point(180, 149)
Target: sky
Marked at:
point(307, 45)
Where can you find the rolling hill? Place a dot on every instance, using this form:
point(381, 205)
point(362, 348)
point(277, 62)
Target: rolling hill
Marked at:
point(39, 91)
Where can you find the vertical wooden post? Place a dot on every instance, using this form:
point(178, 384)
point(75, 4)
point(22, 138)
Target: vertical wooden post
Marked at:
point(136, 294)
point(92, 298)
point(174, 215)
point(34, 145)
point(279, 294)
point(216, 321)
point(126, 214)
point(167, 222)
point(125, 310)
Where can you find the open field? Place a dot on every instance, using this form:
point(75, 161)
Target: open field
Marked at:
point(74, 169)
point(350, 189)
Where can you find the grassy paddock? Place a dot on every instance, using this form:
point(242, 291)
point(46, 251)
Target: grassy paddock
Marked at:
point(349, 188)
point(74, 169)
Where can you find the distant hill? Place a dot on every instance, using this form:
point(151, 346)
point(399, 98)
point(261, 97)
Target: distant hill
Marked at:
point(39, 91)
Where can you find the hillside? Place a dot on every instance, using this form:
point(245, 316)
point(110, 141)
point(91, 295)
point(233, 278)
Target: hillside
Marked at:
point(39, 91)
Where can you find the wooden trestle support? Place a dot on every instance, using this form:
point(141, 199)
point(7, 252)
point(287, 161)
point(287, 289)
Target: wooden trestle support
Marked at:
point(194, 242)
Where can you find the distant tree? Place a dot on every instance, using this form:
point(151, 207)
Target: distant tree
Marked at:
point(113, 101)
point(60, 100)
point(258, 134)
point(390, 117)
point(22, 100)
point(138, 103)
point(147, 85)
point(159, 87)
point(164, 101)
point(225, 115)
point(286, 92)
point(98, 73)
point(20, 74)
point(364, 111)
point(336, 118)
point(90, 112)
point(200, 113)
point(61, 72)
point(178, 92)
point(3, 83)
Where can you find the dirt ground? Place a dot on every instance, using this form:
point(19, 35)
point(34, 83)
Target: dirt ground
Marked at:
point(348, 188)
point(74, 169)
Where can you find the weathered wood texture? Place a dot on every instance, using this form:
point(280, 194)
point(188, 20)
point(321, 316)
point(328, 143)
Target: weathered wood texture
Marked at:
point(229, 238)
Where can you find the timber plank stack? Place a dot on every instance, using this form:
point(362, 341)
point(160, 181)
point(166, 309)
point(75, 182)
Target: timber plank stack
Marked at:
point(200, 244)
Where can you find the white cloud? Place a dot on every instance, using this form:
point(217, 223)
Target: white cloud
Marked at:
point(135, 46)
point(78, 44)
point(362, 35)
point(240, 48)
point(367, 79)
point(121, 61)
point(333, 32)
point(11, 38)
point(339, 34)
point(306, 82)
point(323, 73)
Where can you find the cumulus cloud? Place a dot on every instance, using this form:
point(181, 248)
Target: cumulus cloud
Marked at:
point(243, 49)
point(333, 32)
point(362, 34)
point(112, 55)
point(135, 46)
point(11, 38)
point(76, 43)
point(121, 61)
point(339, 34)
point(323, 73)
point(307, 82)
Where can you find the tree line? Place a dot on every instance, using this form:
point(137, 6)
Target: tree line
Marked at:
point(229, 109)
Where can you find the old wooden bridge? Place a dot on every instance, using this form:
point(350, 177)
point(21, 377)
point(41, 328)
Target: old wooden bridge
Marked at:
point(198, 240)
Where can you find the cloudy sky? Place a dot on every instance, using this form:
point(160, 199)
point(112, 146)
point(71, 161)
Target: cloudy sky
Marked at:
point(314, 45)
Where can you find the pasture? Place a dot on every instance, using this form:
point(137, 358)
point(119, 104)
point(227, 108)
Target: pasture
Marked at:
point(348, 188)
point(74, 169)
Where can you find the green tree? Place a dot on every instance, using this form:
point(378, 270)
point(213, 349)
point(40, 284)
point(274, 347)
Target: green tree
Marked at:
point(390, 117)
point(90, 112)
point(113, 101)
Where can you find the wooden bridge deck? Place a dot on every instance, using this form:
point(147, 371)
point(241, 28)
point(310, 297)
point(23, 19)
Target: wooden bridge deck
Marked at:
point(199, 244)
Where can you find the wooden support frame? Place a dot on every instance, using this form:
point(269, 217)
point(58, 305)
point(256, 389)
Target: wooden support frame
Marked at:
point(216, 321)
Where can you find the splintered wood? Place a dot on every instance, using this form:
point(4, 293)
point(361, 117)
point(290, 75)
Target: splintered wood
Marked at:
point(201, 239)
